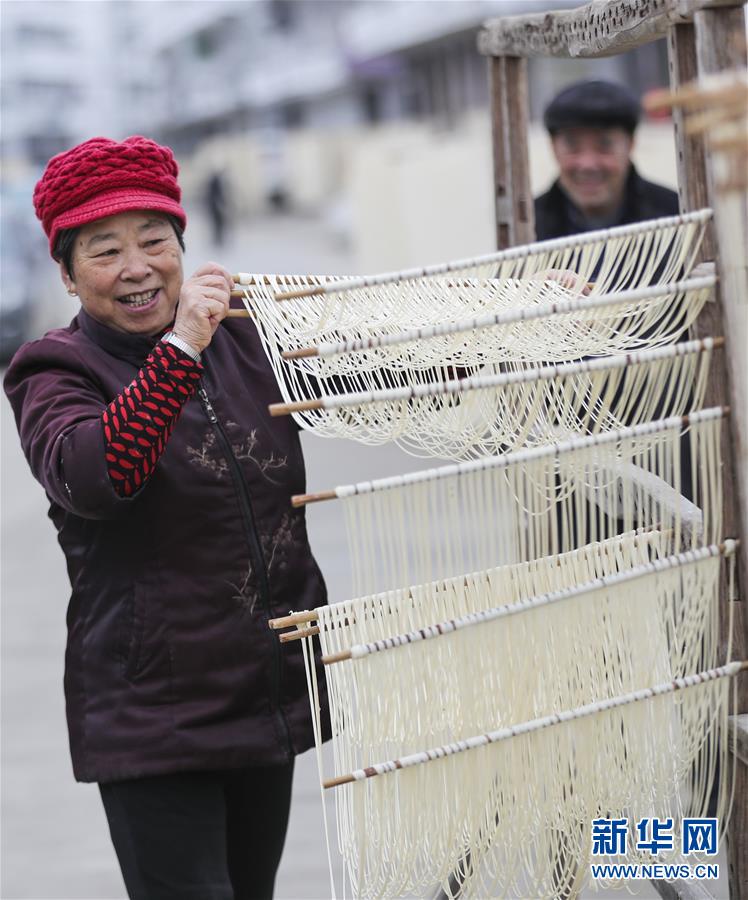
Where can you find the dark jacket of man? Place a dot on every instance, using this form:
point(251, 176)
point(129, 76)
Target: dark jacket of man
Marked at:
point(556, 216)
point(170, 664)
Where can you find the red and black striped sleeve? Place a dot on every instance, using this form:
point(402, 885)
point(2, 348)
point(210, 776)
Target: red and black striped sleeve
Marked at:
point(138, 422)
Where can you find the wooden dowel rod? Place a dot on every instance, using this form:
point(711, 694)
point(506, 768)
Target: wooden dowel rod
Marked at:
point(340, 656)
point(285, 409)
point(703, 121)
point(300, 353)
point(738, 184)
point(337, 781)
point(298, 500)
point(582, 712)
point(299, 618)
point(315, 291)
point(693, 95)
point(297, 635)
point(238, 314)
point(736, 142)
point(343, 655)
point(404, 337)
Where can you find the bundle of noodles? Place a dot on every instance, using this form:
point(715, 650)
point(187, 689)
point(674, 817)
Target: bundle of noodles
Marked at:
point(510, 799)
point(473, 516)
point(641, 255)
point(528, 321)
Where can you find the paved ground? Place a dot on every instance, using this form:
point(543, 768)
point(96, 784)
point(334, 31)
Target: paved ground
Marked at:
point(55, 844)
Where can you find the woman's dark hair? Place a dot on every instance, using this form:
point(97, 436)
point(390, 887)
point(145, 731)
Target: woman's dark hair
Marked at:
point(65, 242)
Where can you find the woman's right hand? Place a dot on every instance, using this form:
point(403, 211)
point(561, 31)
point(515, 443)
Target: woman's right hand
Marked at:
point(203, 303)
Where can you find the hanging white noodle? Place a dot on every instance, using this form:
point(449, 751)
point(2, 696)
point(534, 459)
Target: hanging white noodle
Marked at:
point(534, 321)
point(629, 256)
point(478, 416)
point(473, 516)
point(641, 626)
point(520, 799)
point(465, 663)
point(570, 495)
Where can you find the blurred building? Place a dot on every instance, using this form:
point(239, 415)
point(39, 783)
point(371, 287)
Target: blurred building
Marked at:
point(230, 66)
point(369, 114)
point(61, 72)
point(285, 64)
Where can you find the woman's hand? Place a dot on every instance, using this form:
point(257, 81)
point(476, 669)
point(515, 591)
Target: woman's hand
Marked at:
point(203, 303)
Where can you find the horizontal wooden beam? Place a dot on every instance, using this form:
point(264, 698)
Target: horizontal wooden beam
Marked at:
point(600, 28)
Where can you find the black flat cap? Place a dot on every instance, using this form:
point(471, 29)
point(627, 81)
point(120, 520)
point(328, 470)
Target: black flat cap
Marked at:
point(597, 104)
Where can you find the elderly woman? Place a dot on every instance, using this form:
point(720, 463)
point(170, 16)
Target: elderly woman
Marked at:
point(146, 422)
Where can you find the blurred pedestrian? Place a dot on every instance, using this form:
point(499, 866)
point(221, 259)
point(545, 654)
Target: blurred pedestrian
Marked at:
point(216, 204)
point(592, 125)
point(146, 422)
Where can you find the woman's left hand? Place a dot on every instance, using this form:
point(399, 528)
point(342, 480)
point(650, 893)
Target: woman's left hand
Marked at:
point(203, 304)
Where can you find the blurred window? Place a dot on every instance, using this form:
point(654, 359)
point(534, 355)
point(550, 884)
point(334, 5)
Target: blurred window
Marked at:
point(206, 43)
point(283, 14)
point(293, 115)
point(49, 92)
point(37, 33)
point(371, 102)
point(41, 147)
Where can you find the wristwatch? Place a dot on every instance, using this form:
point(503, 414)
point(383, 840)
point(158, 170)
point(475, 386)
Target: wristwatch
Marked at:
point(171, 338)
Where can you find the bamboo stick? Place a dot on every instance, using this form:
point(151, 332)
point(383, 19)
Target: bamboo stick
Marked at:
point(315, 291)
point(298, 500)
point(703, 121)
point(284, 409)
point(469, 620)
point(694, 95)
point(479, 382)
point(454, 268)
point(491, 320)
point(298, 618)
point(298, 634)
point(300, 353)
point(506, 733)
point(309, 616)
point(736, 142)
point(735, 184)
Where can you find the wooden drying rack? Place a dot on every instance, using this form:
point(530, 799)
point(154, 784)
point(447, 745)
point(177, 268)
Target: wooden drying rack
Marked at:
point(704, 37)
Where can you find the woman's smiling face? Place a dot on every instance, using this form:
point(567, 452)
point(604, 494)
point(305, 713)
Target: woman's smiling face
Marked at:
point(127, 271)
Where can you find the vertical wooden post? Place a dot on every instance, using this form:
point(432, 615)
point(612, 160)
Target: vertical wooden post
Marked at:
point(690, 152)
point(692, 50)
point(720, 44)
point(515, 213)
point(718, 34)
point(502, 182)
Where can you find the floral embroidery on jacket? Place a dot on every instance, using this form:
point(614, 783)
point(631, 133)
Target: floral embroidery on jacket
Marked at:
point(276, 550)
point(211, 456)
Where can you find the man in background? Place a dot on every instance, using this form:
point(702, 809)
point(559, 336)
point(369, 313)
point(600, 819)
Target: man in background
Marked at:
point(592, 125)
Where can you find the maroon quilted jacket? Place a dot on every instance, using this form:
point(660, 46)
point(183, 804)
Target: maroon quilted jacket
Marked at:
point(170, 664)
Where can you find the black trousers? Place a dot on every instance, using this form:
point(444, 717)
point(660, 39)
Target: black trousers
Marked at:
point(200, 835)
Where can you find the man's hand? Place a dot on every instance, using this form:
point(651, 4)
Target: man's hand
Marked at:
point(203, 303)
point(570, 280)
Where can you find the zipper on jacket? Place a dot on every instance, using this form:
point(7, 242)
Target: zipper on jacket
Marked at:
point(245, 504)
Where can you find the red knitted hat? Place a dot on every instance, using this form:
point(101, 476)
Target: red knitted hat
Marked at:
point(101, 177)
